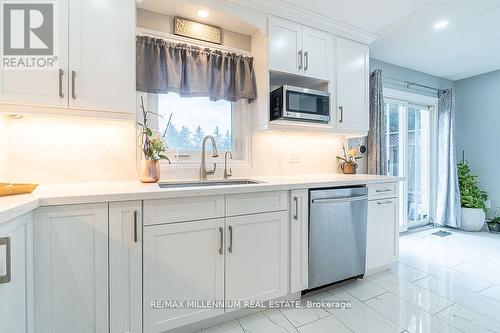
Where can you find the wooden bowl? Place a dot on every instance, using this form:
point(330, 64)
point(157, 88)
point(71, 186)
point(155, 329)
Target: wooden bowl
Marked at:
point(7, 189)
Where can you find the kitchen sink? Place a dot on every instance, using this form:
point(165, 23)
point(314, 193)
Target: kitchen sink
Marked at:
point(208, 183)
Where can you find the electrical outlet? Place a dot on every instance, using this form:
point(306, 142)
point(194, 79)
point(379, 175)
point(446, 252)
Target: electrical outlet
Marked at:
point(294, 158)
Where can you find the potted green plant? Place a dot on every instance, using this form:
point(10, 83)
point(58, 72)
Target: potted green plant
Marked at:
point(494, 224)
point(349, 162)
point(472, 198)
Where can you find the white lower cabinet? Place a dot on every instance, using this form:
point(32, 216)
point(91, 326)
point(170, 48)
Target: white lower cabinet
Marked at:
point(125, 267)
point(182, 262)
point(299, 240)
point(256, 256)
point(71, 269)
point(16, 275)
point(382, 243)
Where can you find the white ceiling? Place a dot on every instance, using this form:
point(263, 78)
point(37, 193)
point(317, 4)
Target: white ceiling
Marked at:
point(369, 15)
point(468, 46)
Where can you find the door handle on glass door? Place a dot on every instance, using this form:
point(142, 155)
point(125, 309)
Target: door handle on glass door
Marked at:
point(341, 108)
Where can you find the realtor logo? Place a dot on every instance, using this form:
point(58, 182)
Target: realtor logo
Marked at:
point(28, 35)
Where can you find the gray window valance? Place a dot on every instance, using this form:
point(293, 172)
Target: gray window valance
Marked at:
point(190, 71)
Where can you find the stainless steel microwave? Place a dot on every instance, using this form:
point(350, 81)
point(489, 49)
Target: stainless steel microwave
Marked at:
point(296, 103)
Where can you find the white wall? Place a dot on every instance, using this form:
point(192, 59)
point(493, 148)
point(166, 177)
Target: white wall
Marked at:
point(159, 22)
point(3, 148)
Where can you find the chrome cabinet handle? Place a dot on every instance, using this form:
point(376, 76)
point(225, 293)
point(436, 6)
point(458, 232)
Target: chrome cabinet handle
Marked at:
point(73, 80)
point(61, 74)
point(384, 202)
point(5, 241)
point(135, 226)
point(306, 56)
point(221, 246)
point(300, 59)
point(341, 108)
point(382, 191)
point(296, 214)
point(230, 249)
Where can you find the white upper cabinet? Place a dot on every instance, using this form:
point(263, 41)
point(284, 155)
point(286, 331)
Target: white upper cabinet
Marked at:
point(285, 42)
point(352, 85)
point(40, 87)
point(316, 52)
point(102, 55)
point(297, 49)
point(96, 61)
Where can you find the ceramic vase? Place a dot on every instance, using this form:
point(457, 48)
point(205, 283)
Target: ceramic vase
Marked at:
point(150, 171)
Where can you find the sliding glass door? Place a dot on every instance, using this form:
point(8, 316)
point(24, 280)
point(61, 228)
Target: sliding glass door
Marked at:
point(409, 130)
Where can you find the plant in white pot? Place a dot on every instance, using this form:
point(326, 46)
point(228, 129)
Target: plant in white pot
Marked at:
point(473, 199)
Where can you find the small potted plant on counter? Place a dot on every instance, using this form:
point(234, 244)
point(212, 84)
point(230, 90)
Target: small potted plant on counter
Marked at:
point(494, 224)
point(153, 147)
point(349, 162)
point(473, 199)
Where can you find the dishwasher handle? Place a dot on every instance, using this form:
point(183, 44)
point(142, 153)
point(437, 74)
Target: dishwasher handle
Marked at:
point(340, 200)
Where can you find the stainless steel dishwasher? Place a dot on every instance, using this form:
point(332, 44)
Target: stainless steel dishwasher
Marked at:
point(337, 234)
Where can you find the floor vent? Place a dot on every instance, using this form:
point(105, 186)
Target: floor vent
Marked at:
point(441, 233)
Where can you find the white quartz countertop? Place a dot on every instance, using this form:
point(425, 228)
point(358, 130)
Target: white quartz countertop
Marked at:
point(79, 193)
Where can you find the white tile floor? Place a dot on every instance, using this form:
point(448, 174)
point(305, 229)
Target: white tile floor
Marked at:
point(449, 284)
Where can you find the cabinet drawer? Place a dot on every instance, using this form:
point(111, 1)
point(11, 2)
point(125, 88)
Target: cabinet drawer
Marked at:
point(384, 190)
point(183, 209)
point(251, 203)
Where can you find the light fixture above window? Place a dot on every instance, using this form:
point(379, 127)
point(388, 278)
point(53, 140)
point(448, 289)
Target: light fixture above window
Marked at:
point(203, 13)
point(441, 24)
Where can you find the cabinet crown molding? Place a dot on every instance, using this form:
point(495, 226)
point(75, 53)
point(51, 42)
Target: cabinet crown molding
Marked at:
point(312, 19)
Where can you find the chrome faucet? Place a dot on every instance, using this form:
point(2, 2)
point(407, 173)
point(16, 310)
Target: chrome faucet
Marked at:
point(203, 168)
point(226, 174)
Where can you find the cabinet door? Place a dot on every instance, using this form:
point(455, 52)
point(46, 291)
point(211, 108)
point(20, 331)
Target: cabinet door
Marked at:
point(256, 256)
point(285, 49)
point(15, 272)
point(125, 267)
point(41, 87)
point(382, 239)
point(316, 46)
point(102, 55)
point(352, 85)
point(299, 235)
point(182, 262)
point(71, 269)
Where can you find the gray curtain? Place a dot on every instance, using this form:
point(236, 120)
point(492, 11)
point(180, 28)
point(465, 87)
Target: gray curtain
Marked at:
point(377, 139)
point(190, 71)
point(448, 196)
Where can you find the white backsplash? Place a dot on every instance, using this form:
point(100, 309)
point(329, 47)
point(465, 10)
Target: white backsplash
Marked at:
point(46, 149)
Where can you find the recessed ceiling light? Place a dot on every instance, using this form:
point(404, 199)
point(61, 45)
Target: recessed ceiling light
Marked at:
point(441, 24)
point(203, 13)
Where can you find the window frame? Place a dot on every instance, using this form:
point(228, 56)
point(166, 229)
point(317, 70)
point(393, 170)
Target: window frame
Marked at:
point(240, 130)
